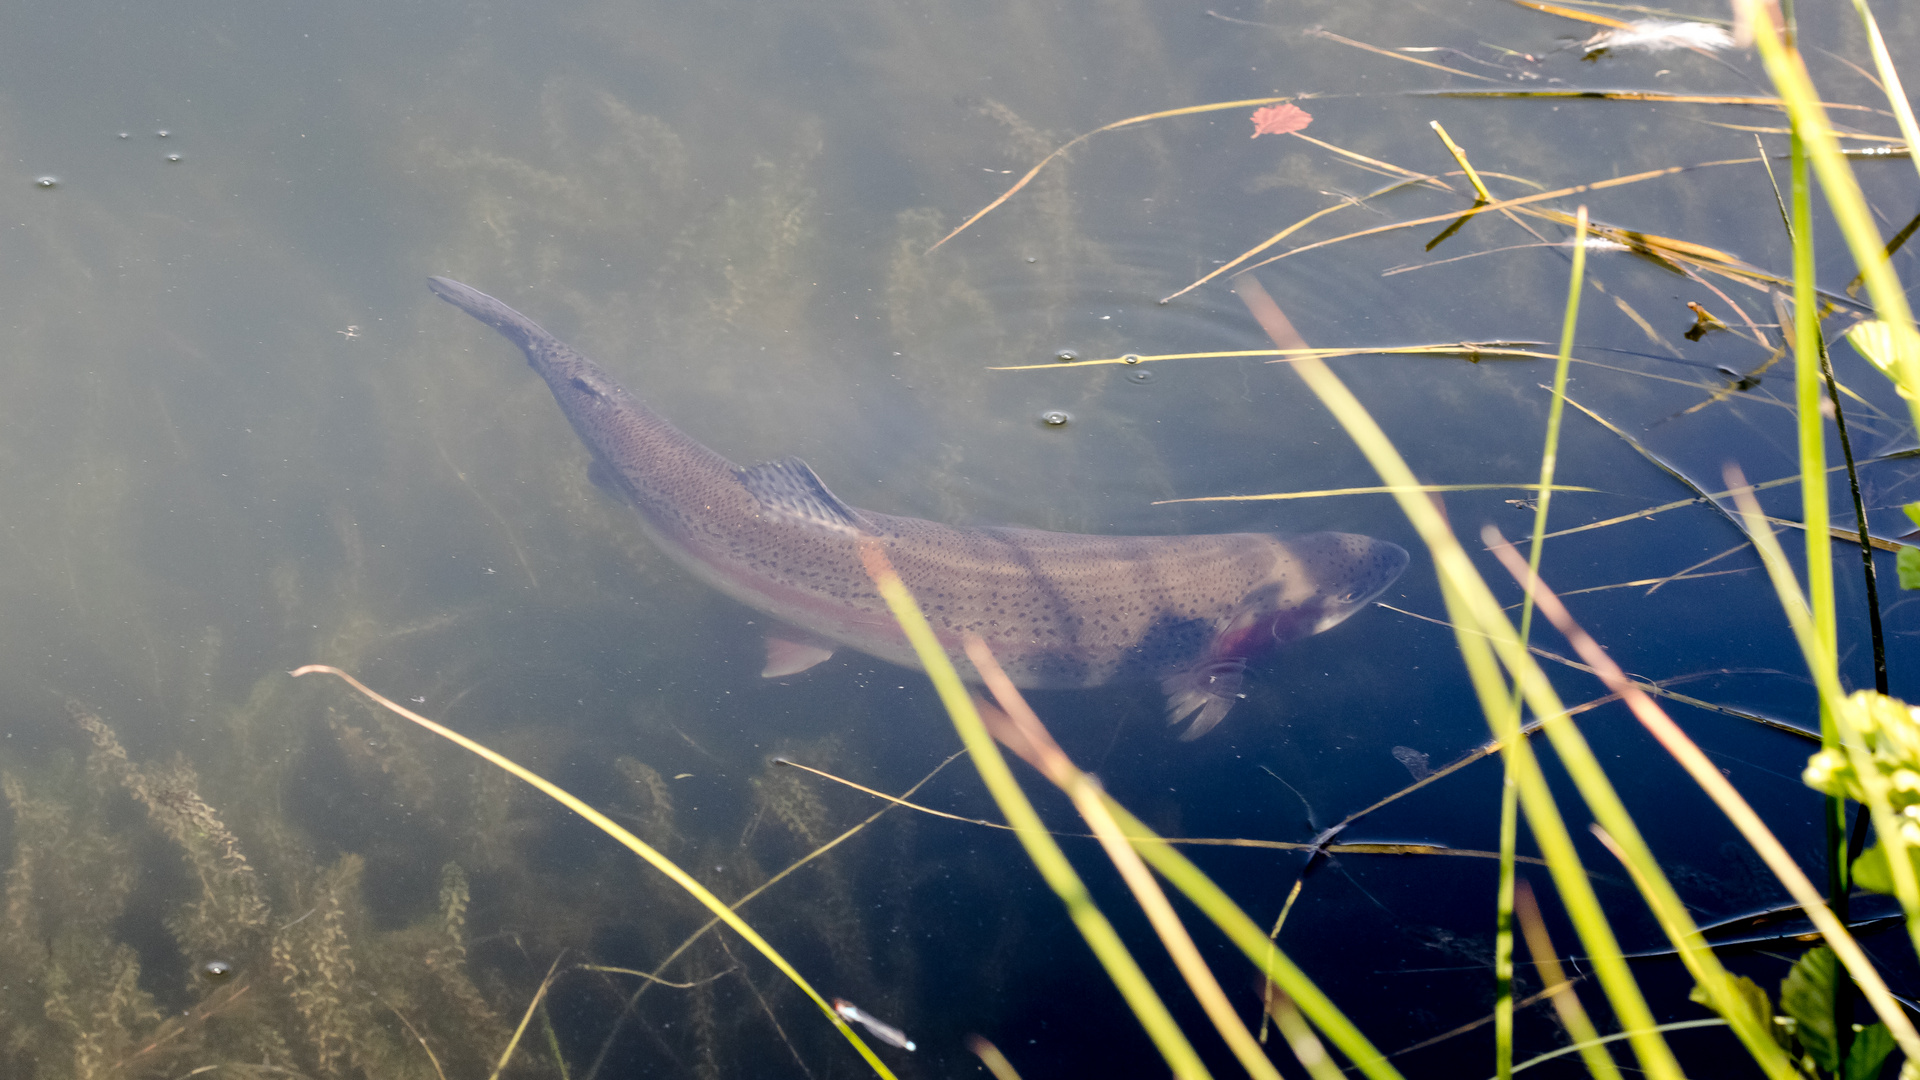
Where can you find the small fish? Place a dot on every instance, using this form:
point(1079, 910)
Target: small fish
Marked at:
point(1058, 610)
point(886, 1033)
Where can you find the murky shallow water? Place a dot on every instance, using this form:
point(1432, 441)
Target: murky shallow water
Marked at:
point(239, 435)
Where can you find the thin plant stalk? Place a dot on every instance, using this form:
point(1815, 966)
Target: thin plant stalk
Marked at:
point(1047, 857)
point(1509, 791)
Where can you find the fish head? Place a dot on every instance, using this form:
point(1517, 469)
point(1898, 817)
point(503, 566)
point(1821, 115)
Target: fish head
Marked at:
point(1348, 572)
point(1316, 582)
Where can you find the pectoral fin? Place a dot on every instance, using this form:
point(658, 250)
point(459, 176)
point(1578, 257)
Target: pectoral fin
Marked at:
point(786, 656)
point(604, 478)
point(1205, 692)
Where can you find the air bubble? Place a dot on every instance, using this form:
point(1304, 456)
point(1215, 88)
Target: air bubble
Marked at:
point(163, 133)
point(1143, 375)
point(1130, 358)
point(47, 182)
point(1055, 418)
point(1067, 356)
point(214, 971)
point(173, 159)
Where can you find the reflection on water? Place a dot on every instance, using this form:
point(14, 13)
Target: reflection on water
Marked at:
point(237, 435)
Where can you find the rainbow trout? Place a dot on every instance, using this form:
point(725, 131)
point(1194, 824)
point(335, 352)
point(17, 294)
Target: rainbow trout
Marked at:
point(1058, 610)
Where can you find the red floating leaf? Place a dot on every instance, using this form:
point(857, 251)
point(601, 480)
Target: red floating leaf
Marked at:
point(1279, 119)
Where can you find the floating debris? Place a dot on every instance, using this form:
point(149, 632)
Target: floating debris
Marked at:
point(1055, 418)
point(1279, 120)
point(1414, 760)
point(1658, 35)
point(886, 1033)
point(1704, 322)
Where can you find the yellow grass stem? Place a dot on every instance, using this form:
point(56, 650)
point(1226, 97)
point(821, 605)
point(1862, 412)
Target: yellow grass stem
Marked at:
point(553, 969)
point(1270, 241)
point(1046, 855)
point(1739, 812)
point(1472, 350)
point(1189, 110)
point(1460, 156)
point(990, 1056)
point(1522, 200)
point(1328, 35)
point(1890, 79)
point(1306, 1046)
point(630, 842)
point(1416, 489)
point(1471, 604)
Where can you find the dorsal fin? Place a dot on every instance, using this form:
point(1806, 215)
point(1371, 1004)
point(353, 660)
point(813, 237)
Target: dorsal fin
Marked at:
point(787, 488)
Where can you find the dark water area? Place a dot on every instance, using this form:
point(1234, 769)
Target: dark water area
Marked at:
point(238, 435)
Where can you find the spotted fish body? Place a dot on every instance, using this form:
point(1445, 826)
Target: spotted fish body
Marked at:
point(1059, 610)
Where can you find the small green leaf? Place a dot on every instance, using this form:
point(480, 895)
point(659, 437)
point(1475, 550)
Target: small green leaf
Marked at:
point(1913, 512)
point(1754, 1001)
point(1908, 566)
point(1871, 1045)
point(1806, 994)
point(1885, 348)
point(1871, 872)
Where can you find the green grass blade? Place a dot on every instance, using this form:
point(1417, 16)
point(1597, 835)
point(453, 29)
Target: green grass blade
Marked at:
point(1844, 197)
point(1046, 855)
point(1509, 791)
point(632, 843)
point(1471, 605)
